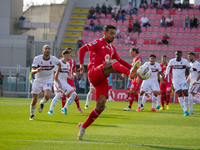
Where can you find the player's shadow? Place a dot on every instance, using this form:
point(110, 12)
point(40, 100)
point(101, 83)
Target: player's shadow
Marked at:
point(56, 121)
point(167, 148)
point(113, 116)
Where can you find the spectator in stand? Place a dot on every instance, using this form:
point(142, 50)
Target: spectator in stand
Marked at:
point(135, 9)
point(144, 21)
point(162, 22)
point(114, 13)
point(128, 8)
point(117, 34)
point(92, 13)
point(185, 4)
point(169, 21)
point(165, 39)
point(80, 43)
point(128, 39)
point(82, 85)
point(121, 15)
point(98, 26)
point(154, 4)
point(92, 25)
point(109, 9)
point(136, 27)
point(194, 22)
point(98, 9)
point(144, 4)
point(177, 4)
point(104, 9)
point(186, 22)
point(166, 4)
point(130, 24)
point(117, 7)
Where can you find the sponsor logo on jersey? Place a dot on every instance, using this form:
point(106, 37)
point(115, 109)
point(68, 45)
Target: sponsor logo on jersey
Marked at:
point(93, 43)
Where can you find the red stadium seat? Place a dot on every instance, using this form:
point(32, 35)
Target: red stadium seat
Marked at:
point(106, 22)
point(194, 30)
point(184, 12)
point(198, 37)
point(158, 48)
point(197, 43)
point(187, 30)
point(113, 22)
point(153, 41)
point(143, 29)
point(149, 29)
point(160, 35)
point(191, 49)
point(162, 30)
point(178, 12)
point(91, 34)
point(163, 53)
point(177, 48)
point(109, 16)
point(153, 11)
point(88, 21)
point(170, 55)
point(196, 12)
point(102, 15)
point(143, 54)
point(180, 36)
point(184, 48)
point(140, 11)
point(176, 18)
point(158, 17)
point(166, 12)
point(159, 11)
point(174, 30)
point(178, 42)
point(157, 54)
point(119, 23)
point(124, 54)
point(173, 36)
point(125, 23)
point(84, 33)
point(193, 36)
point(147, 11)
point(151, 17)
point(156, 23)
point(181, 30)
point(97, 34)
point(148, 35)
point(197, 49)
point(191, 42)
point(155, 29)
point(164, 48)
point(154, 35)
point(141, 35)
point(196, 56)
point(140, 41)
point(139, 17)
point(151, 48)
point(135, 35)
point(171, 48)
point(168, 30)
point(172, 12)
point(172, 42)
point(176, 24)
point(119, 47)
point(126, 47)
point(186, 36)
point(145, 48)
point(198, 30)
point(124, 28)
point(89, 40)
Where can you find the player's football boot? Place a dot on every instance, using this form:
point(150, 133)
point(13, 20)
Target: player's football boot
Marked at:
point(50, 112)
point(86, 106)
point(142, 108)
point(153, 109)
point(81, 131)
point(186, 113)
point(162, 108)
point(32, 117)
point(167, 107)
point(158, 107)
point(191, 112)
point(133, 71)
point(64, 111)
point(127, 109)
point(138, 109)
point(80, 110)
point(40, 109)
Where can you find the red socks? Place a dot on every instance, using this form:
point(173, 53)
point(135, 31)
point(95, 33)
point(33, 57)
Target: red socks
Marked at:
point(167, 98)
point(120, 68)
point(131, 99)
point(136, 97)
point(162, 98)
point(63, 100)
point(92, 116)
point(77, 101)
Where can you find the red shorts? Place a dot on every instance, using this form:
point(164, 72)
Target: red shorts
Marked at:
point(110, 87)
point(99, 81)
point(71, 83)
point(166, 88)
point(136, 85)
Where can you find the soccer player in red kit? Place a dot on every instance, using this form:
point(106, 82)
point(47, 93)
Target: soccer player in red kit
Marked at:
point(165, 89)
point(72, 72)
point(100, 66)
point(135, 82)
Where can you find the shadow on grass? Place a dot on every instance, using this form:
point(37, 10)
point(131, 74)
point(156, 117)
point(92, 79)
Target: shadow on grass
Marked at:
point(167, 148)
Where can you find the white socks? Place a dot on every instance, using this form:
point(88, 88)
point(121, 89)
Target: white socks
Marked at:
point(144, 100)
point(186, 100)
point(158, 100)
point(70, 100)
point(154, 100)
point(182, 103)
point(32, 109)
point(43, 101)
point(89, 96)
point(140, 100)
point(55, 100)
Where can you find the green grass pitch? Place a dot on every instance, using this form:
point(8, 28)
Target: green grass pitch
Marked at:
point(114, 129)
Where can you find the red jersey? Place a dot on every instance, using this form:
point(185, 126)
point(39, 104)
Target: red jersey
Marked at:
point(164, 67)
point(72, 64)
point(136, 59)
point(100, 52)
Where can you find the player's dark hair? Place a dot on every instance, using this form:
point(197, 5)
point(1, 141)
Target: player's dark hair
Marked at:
point(164, 56)
point(65, 52)
point(191, 53)
point(178, 52)
point(68, 48)
point(107, 27)
point(136, 50)
point(152, 55)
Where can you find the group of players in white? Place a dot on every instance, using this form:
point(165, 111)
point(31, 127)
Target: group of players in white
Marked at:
point(43, 66)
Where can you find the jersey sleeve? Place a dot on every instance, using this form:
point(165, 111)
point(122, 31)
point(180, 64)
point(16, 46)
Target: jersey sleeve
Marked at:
point(168, 67)
point(159, 68)
point(35, 63)
point(93, 45)
point(198, 67)
point(56, 61)
point(74, 66)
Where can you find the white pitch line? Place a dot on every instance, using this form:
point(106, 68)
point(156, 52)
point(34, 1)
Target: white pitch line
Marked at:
point(113, 143)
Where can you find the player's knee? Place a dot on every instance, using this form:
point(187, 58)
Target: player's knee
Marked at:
point(73, 95)
point(142, 93)
point(58, 95)
point(46, 97)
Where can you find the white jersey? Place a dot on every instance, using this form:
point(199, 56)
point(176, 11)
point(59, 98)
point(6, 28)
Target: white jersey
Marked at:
point(64, 70)
point(195, 73)
point(178, 70)
point(155, 68)
point(46, 74)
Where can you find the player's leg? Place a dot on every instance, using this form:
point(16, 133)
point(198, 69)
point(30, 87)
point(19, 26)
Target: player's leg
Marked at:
point(192, 92)
point(143, 88)
point(89, 96)
point(131, 98)
point(144, 99)
point(154, 100)
point(168, 94)
point(162, 96)
point(47, 94)
point(33, 105)
point(63, 100)
point(158, 101)
point(57, 96)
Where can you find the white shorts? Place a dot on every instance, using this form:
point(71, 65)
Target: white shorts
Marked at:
point(66, 88)
point(194, 88)
point(154, 86)
point(39, 86)
point(91, 86)
point(180, 86)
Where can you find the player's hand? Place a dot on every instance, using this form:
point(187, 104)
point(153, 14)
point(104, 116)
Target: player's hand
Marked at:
point(123, 75)
point(81, 69)
point(39, 69)
point(194, 83)
point(75, 75)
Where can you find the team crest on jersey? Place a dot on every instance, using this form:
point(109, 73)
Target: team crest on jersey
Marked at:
point(107, 58)
point(107, 47)
point(93, 43)
point(103, 47)
point(50, 62)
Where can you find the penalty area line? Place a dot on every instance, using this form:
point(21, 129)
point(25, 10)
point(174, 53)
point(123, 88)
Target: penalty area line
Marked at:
point(110, 143)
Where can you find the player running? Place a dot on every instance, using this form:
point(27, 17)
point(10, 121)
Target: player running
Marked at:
point(151, 83)
point(89, 96)
point(194, 81)
point(42, 67)
point(135, 82)
point(166, 86)
point(101, 65)
point(72, 72)
point(179, 66)
point(110, 87)
point(61, 85)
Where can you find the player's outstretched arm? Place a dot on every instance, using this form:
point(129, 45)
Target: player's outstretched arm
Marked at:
point(81, 56)
point(35, 70)
point(56, 75)
point(121, 61)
